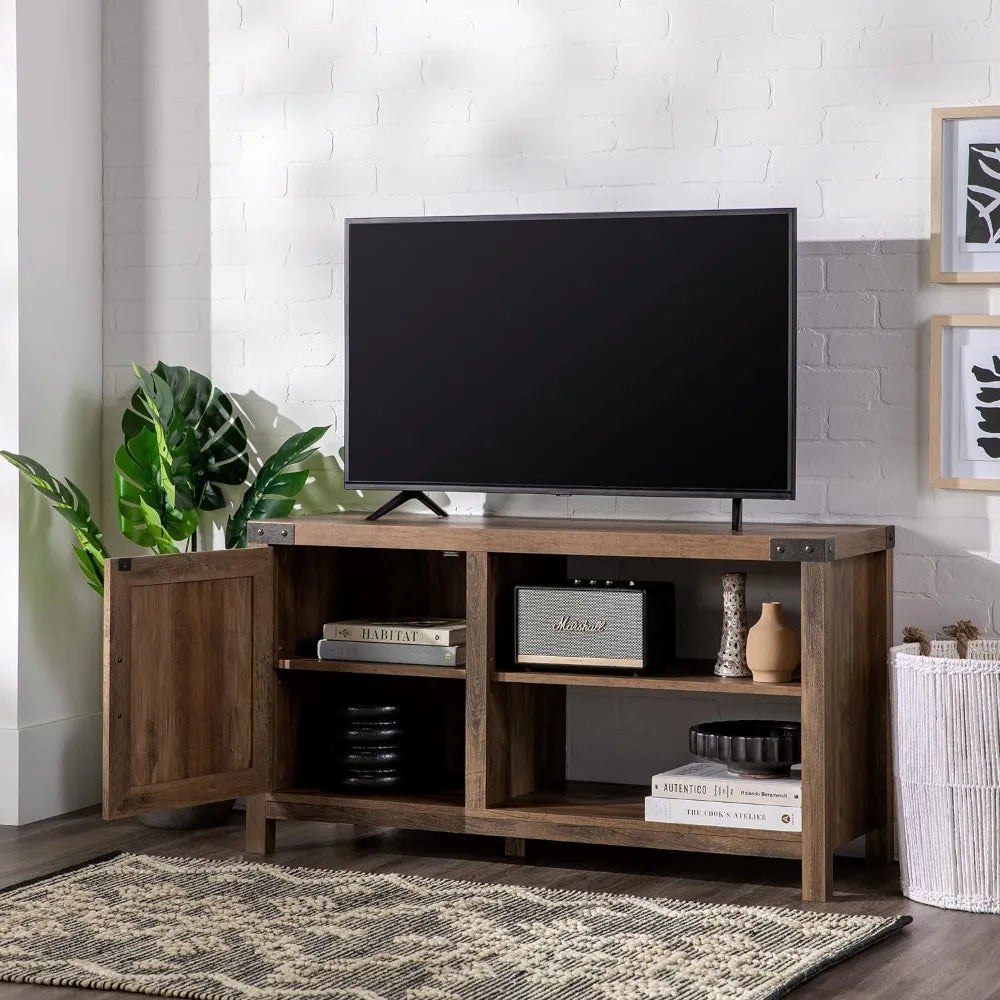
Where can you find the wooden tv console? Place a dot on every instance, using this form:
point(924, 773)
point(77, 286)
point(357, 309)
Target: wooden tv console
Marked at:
point(212, 688)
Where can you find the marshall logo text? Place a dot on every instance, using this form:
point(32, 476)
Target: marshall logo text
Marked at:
point(568, 624)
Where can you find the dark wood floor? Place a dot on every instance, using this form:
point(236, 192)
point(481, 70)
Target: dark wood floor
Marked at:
point(942, 955)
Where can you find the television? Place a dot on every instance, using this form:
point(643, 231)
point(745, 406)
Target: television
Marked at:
point(634, 353)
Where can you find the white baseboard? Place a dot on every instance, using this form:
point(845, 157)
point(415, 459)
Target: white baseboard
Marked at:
point(50, 769)
point(8, 776)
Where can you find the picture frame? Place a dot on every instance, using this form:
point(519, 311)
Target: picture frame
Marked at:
point(965, 216)
point(965, 403)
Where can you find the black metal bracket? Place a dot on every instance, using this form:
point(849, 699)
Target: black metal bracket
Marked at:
point(803, 550)
point(271, 533)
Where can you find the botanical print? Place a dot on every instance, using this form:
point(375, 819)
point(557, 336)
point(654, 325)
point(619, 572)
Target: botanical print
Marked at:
point(980, 396)
point(982, 214)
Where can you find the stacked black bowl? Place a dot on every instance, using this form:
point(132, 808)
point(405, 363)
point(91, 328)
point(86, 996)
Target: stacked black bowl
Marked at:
point(369, 747)
point(752, 748)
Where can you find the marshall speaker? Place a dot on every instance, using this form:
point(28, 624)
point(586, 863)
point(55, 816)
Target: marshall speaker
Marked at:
point(596, 626)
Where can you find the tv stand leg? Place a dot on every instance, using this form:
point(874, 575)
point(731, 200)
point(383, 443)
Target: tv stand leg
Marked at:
point(400, 498)
point(259, 829)
point(515, 847)
point(737, 514)
point(817, 873)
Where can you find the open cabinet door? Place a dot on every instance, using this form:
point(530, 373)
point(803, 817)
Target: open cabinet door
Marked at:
point(188, 679)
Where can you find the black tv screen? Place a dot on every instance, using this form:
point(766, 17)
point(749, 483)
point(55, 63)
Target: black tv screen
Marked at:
point(638, 353)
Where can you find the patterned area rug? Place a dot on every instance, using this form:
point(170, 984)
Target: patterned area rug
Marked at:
point(214, 930)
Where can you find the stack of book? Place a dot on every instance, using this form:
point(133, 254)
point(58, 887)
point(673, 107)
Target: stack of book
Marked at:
point(438, 642)
point(706, 794)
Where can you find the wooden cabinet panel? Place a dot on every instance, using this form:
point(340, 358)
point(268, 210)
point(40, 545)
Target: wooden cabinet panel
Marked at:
point(189, 656)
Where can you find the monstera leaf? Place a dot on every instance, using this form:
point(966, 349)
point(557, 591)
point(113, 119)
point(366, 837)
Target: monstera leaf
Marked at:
point(273, 492)
point(149, 512)
point(196, 419)
point(68, 500)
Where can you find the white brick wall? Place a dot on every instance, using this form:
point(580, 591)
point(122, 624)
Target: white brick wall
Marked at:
point(157, 279)
point(323, 110)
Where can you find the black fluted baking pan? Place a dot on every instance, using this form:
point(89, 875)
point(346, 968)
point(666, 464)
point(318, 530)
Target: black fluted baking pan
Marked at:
point(382, 757)
point(371, 780)
point(374, 712)
point(383, 734)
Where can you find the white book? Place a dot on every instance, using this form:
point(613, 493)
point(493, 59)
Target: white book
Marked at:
point(391, 652)
point(407, 631)
point(695, 812)
point(711, 782)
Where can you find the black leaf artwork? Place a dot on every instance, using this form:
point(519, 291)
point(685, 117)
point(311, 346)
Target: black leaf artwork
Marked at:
point(982, 218)
point(990, 419)
point(990, 422)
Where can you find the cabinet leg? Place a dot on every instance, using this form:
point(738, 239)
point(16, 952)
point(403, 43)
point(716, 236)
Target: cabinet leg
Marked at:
point(260, 829)
point(515, 847)
point(817, 875)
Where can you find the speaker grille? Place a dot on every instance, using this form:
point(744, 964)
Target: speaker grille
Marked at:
point(580, 611)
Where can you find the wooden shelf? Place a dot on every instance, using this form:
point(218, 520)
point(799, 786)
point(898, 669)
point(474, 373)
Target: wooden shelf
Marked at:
point(442, 811)
point(354, 667)
point(579, 812)
point(619, 537)
point(614, 814)
point(687, 675)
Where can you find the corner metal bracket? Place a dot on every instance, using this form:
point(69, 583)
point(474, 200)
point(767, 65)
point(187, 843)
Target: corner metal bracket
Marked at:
point(802, 550)
point(270, 533)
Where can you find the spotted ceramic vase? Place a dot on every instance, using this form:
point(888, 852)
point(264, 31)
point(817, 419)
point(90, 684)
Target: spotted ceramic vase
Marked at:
point(732, 661)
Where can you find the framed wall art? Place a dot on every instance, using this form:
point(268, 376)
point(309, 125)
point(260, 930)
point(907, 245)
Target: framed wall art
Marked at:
point(965, 195)
point(965, 402)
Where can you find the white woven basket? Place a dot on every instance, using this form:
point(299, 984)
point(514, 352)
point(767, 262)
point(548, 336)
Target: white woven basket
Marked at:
point(946, 749)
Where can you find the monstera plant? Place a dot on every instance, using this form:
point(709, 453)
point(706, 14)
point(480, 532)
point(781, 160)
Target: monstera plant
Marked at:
point(183, 444)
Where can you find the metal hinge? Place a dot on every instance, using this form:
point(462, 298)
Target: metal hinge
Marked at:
point(271, 533)
point(802, 550)
point(890, 537)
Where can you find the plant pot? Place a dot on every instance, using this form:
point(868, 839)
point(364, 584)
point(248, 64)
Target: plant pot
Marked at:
point(190, 817)
point(772, 647)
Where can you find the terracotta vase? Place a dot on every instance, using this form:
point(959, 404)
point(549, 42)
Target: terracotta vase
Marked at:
point(772, 646)
point(732, 659)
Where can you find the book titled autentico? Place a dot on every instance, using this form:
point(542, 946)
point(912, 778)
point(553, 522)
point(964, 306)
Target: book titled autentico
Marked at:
point(407, 631)
point(711, 782)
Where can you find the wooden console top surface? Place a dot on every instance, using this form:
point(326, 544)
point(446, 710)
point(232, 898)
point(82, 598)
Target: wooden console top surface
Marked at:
point(572, 536)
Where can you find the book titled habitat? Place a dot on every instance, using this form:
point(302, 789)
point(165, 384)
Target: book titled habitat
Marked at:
point(409, 631)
